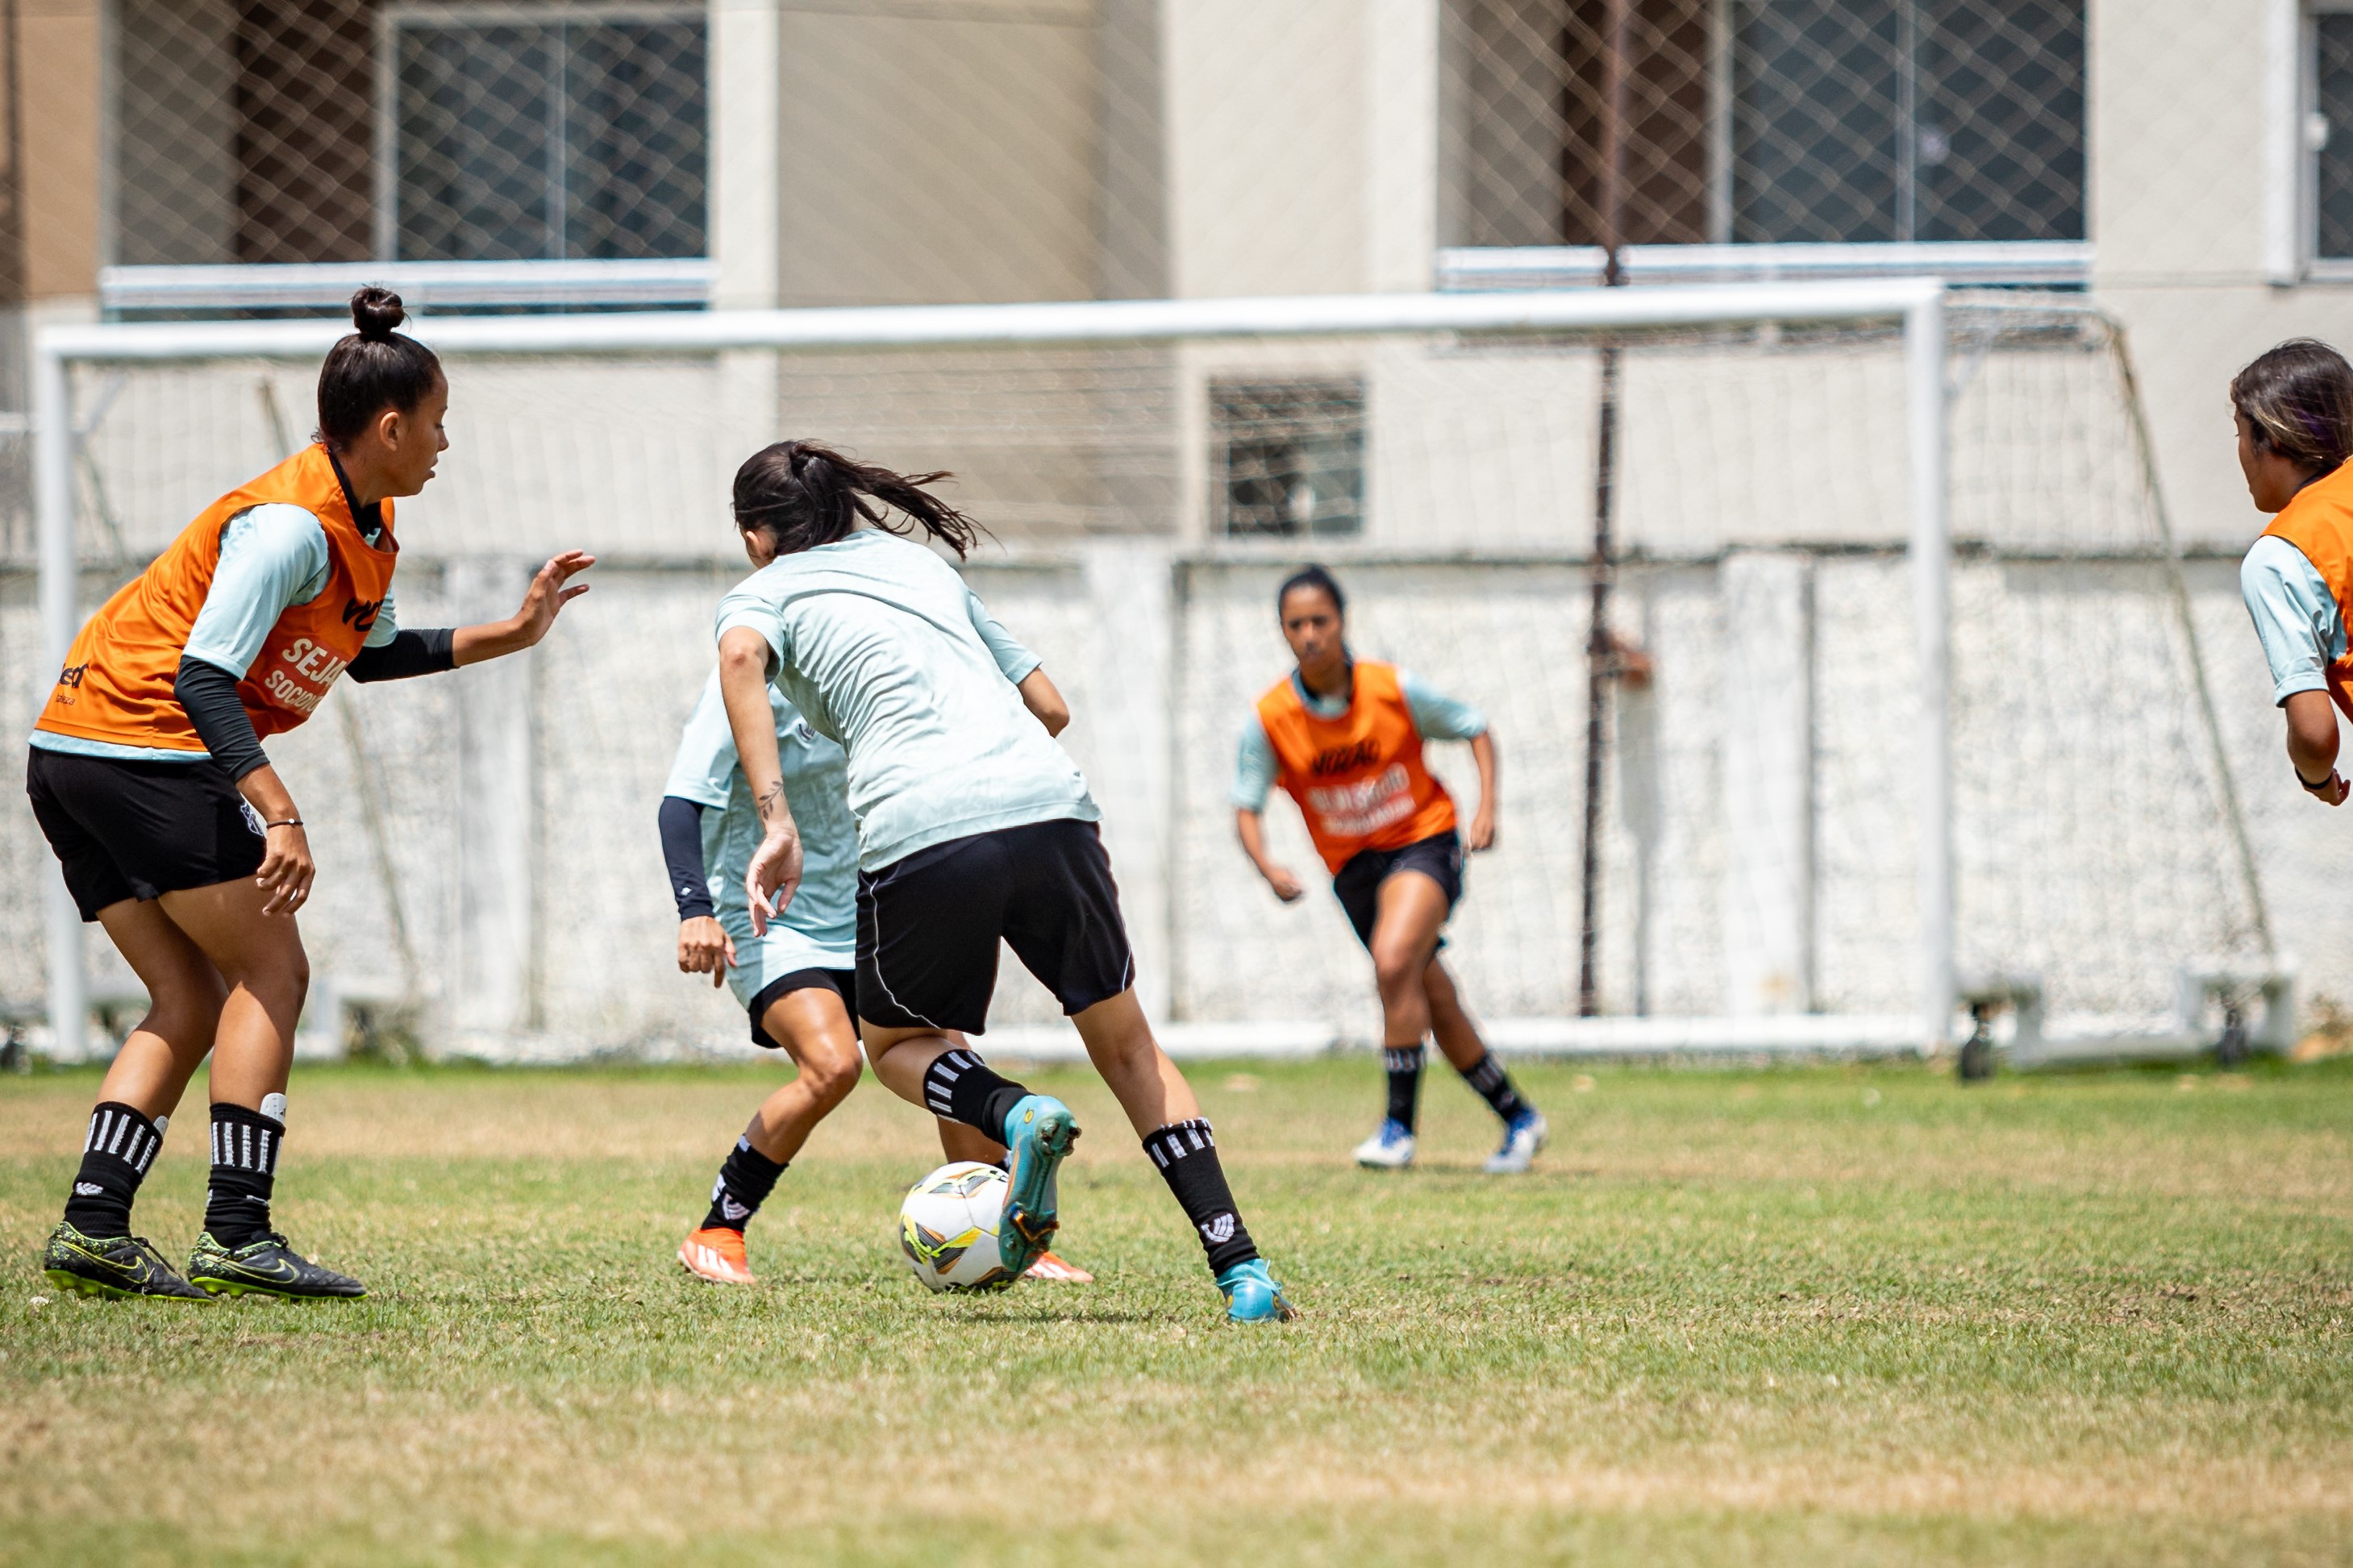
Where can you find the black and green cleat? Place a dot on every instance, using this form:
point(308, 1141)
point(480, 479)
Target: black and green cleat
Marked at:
point(112, 1266)
point(267, 1267)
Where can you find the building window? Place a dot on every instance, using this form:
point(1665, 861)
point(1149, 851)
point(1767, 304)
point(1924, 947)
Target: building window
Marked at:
point(1290, 457)
point(1771, 122)
point(571, 133)
point(2330, 39)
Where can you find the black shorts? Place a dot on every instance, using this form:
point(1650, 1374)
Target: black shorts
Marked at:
point(139, 830)
point(1359, 884)
point(928, 925)
point(842, 983)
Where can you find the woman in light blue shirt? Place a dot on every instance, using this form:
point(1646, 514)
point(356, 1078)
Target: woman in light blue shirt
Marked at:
point(796, 980)
point(973, 829)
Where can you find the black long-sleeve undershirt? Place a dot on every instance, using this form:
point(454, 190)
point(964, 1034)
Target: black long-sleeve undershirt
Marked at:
point(207, 693)
point(407, 654)
point(682, 840)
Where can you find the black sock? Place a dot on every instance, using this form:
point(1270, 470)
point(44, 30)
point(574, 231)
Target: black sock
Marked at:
point(1494, 1087)
point(245, 1169)
point(744, 1184)
point(1404, 1064)
point(961, 1086)
point(1186, 1154)
point(115, 1155)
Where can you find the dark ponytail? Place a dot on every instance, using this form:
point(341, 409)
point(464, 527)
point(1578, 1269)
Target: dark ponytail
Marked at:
point(1311, 576)
point(374, 369)
point(802, 495)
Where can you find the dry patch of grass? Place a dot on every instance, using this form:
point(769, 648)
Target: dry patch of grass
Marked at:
point(1823, 1316)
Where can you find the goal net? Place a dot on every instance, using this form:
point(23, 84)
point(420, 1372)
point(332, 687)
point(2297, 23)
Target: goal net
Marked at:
point(1775, 811)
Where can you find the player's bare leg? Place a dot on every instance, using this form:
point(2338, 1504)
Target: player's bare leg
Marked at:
point(815, 1031)
point(259, 955)
point(92, 1249)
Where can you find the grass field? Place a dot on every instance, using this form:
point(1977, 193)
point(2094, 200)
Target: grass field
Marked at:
point(1829, 1315)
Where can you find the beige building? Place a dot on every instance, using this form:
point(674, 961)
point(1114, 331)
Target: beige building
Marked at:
point(870, 151)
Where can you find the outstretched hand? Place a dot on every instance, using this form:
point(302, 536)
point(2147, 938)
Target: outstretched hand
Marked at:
point(547, 594)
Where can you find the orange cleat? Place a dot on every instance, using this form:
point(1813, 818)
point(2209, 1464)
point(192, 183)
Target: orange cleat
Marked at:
point(715, 1254)
point(1049, 1267)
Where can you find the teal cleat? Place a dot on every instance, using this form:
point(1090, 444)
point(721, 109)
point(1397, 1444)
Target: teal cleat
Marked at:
point(1254, 1295)
point(1039, 1133)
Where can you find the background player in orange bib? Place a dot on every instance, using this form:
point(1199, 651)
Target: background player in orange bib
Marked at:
point(148, 778)
point(1343, 737)
point(2293, 411)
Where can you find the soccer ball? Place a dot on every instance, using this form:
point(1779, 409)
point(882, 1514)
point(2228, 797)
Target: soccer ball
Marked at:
point(947, 1227)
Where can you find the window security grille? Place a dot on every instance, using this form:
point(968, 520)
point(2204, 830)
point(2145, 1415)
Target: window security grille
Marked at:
point(577, 137)
point(1290, 457)
point(2331, 133)
point(1771, 122)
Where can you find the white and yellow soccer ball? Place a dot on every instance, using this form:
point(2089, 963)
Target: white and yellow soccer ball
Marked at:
point(947, 1227)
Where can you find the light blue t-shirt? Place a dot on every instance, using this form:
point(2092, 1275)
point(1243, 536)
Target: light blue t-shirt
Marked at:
point(881, 645)
point(272, 557)
point(1437, 716)
point(818, 930)
point(2295, 614)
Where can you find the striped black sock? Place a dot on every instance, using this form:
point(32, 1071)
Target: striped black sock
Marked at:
point(1186, 1154)
point(1404, 1066)
point(115, 1154)
point(744, 1184)
point(961, 1086)
point(244, 1169)
point(1495, 1086)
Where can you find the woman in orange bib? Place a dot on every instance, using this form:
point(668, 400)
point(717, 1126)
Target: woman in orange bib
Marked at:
point(2294, 410)
point(1343, 737)
point(174, 833)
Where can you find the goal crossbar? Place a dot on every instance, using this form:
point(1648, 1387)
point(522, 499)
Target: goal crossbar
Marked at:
point(1918, 304)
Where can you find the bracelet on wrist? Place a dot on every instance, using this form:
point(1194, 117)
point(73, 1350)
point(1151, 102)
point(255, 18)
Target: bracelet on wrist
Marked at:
point(290, 822)
point(2312, 787)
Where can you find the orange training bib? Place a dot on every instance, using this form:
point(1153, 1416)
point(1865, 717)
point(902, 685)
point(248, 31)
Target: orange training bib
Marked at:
point(2320, 522)
point(1358, 779)
point(117, 682)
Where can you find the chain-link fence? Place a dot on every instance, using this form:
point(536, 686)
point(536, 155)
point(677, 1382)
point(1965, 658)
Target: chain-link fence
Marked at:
point(855, 151)
point(1759, 808)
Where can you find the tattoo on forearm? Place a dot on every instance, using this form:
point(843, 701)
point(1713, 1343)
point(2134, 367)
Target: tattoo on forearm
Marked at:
point(771, 804)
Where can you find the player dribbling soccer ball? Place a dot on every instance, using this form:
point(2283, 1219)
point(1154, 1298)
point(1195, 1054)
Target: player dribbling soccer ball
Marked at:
point(974, 829)
point(796, 980)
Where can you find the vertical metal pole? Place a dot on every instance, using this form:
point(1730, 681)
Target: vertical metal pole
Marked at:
point(53, 513)
point(1932, 608)
point(1599, 655)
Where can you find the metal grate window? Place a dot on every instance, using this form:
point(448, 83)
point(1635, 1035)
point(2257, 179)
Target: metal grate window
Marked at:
point(1290, 457)
point(2330, 134)
point(567, 134)
point(1771, 122)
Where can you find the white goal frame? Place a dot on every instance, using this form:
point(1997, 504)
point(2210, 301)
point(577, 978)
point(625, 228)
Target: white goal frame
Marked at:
point(1917, 303)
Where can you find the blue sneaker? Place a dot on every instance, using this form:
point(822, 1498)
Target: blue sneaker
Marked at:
point(1254, 1295)
point(1039, 1131)
point(1523, 1138)
point(1388, 1149)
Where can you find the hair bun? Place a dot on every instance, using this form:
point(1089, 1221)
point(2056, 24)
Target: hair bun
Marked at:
point(375, 313)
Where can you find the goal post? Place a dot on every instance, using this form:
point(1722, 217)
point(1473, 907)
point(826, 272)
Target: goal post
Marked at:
point(1447, 435)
